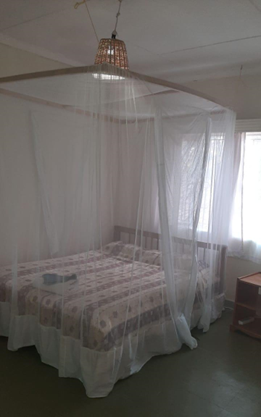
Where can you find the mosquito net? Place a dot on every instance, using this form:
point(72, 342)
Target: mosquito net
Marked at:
point(115, 196)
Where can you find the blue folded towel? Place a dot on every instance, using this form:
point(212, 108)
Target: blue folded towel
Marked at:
point(53, 278)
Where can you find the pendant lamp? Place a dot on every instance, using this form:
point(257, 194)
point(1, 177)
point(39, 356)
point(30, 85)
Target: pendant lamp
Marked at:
point(111, 50)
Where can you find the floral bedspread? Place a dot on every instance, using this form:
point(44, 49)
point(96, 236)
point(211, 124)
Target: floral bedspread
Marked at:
point(111, 298)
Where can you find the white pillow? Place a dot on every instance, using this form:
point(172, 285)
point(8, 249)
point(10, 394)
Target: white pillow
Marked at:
point(152, 257)
point(130, 251)
point(113, 248)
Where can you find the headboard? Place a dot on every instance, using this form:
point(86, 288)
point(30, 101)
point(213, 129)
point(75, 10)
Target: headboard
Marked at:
point(151, 240)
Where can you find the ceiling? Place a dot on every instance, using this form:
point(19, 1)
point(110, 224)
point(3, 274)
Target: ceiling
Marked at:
point(178, 40)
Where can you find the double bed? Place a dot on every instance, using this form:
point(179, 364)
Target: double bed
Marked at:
point(118, 293)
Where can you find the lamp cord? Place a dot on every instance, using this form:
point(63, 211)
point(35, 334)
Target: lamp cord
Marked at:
point(87, 8)
point(84, 2)
point(114, 33)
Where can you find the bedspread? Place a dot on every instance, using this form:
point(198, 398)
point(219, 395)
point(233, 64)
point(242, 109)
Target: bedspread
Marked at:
point(111, 297)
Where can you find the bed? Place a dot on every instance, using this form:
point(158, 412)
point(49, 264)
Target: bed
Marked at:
point(111, 299)
point(104, 285)
point(93, 150)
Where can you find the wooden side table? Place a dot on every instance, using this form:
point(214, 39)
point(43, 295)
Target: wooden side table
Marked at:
point(248, 305)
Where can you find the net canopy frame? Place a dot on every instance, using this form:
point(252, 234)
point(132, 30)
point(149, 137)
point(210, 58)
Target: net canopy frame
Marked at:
point(115, 193)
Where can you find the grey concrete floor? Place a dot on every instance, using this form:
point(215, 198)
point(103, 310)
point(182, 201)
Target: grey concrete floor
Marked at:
point(222, 377)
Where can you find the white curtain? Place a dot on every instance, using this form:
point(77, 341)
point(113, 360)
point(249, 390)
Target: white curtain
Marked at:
point(245, 227)
point(108, 182)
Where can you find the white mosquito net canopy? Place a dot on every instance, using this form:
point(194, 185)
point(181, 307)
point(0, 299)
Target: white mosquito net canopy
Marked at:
point(115, 194)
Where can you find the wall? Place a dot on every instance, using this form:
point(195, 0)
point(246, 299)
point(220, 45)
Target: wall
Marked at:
point(15, 61)
point(243, 95)
point(49, 166)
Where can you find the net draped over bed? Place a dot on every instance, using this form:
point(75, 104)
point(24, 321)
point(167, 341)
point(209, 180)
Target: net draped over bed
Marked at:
point(108, 183)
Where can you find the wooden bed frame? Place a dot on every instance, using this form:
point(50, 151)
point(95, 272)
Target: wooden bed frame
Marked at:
point(151, 240)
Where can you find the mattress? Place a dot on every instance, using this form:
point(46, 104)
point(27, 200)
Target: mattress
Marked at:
point(111, 298)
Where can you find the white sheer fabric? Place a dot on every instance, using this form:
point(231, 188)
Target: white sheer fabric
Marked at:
point(108, 184)
point(245, 230)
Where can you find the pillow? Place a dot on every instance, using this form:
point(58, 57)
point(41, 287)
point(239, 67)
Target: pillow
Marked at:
point(152, 257)
point(113, 248)
point(181, 261)
point(130, 251)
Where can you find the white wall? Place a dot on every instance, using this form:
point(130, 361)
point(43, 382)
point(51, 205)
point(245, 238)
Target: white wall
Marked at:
point(15, 61)
point(243, 95)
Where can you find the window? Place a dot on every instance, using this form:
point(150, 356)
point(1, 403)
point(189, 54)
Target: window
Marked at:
point(246, 213)
point(211, 177)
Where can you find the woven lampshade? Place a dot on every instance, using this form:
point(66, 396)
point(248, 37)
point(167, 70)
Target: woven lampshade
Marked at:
point(112, 51)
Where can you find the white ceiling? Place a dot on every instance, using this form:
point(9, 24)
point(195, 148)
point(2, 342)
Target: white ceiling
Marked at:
point(179, 40)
